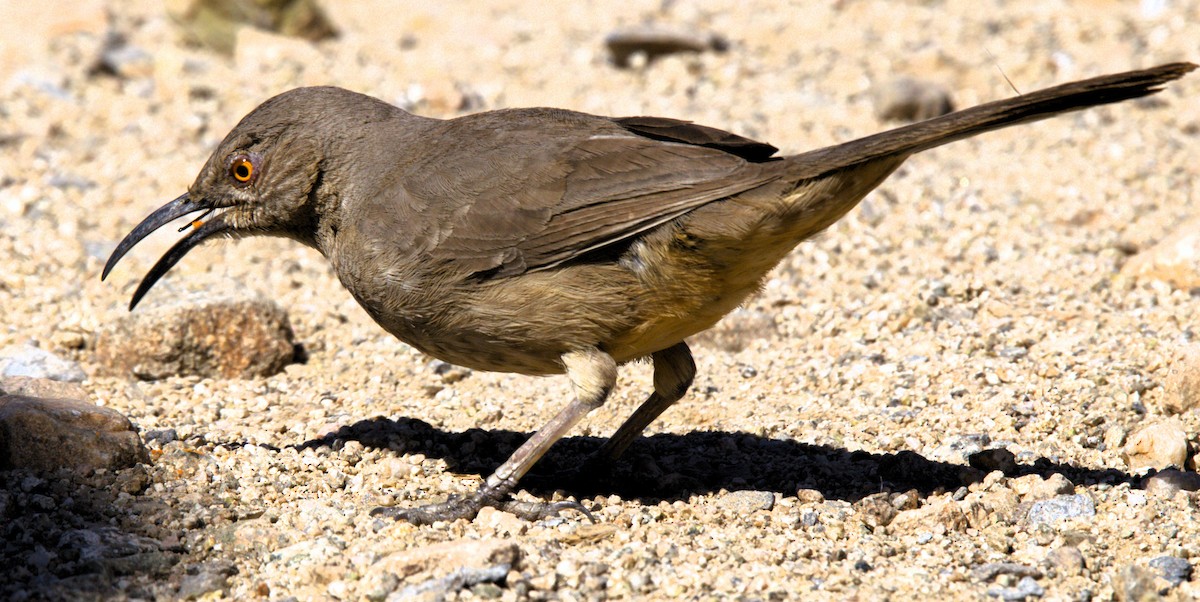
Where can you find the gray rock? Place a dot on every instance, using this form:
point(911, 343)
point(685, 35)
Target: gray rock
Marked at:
point(34, 362)
point(214, 335)
point(47, 434)
point(1061, 508)
point(1172, 568)
point(908, 99)
point(1026, 588)
point(460, 579)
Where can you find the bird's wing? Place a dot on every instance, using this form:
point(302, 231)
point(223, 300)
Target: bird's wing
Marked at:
point(563, 184)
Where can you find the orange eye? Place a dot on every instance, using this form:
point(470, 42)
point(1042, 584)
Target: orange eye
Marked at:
point(241, 169)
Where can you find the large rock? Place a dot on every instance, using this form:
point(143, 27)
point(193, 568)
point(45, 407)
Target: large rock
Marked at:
point(206, 334)
point(47, 434)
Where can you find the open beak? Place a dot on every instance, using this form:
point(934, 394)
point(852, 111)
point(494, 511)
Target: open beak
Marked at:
point(201, 230)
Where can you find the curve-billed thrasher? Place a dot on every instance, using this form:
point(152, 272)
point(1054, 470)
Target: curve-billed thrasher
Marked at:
point(545, 241)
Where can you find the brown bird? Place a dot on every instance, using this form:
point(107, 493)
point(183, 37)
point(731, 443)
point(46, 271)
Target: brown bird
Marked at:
point(545, 241)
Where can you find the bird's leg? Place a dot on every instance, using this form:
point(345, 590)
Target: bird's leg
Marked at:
point(673, 374)
point(593, 374)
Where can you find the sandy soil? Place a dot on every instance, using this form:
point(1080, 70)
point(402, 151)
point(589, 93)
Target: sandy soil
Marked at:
point(974, 302)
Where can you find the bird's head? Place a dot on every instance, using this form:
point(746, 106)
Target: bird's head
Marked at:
point(263, 179)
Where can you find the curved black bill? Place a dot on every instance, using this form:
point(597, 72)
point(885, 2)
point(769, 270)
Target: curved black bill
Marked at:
point(177, 208)
point(216, 225)
point(163, 215)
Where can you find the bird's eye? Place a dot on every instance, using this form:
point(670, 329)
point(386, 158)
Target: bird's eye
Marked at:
point(241, 169)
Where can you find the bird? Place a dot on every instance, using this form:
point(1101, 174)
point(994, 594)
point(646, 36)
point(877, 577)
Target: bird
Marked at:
point(545, 241)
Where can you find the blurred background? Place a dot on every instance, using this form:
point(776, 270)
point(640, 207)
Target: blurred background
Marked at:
point(1032, 289)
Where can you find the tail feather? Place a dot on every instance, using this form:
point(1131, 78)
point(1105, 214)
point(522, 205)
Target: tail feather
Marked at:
point(914, 138)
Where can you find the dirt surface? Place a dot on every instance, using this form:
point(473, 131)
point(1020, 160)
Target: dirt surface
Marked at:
point(975, 302)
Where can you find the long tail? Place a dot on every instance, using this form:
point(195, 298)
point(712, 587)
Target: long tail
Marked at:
point(910, 139)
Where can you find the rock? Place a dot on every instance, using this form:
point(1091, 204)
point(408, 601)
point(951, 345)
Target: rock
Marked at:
point(1115, 436)
point(1159, 445)
point(41, 387)
point(205, 581)
point(1166, 483)
point(205, 334)
point(809, 496)
point(876, 510)
point(998, 505)
point(1051, 486)
point(989, 460)
point(1026, 588)
point(439, 568)
point(908, 99)
point(745, 502)
point(35, 362)
point(945, 515)
point(47, 434)
point(1061, 508)
point(1135, 584)
point(1183, 381)
point(215, 23)
point(653, 43)
point(316, 551)
point(251, 537)
point(987, 572)
point(505, 523)
point(1174, 260)
point(1067, 559)
point(1174, 569)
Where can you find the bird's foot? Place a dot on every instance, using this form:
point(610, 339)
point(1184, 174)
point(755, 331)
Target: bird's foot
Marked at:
point(468, 507)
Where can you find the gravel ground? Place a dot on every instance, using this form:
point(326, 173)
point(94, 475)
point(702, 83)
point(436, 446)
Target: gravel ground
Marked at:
point(941, 397)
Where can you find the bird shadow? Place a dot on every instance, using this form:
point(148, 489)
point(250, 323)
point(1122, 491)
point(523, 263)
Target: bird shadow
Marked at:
point(669, 467)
